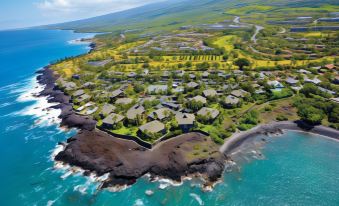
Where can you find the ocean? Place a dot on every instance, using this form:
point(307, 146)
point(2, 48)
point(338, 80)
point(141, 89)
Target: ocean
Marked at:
point(295, 169)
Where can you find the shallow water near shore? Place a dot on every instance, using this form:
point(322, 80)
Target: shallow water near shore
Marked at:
point(295, 169)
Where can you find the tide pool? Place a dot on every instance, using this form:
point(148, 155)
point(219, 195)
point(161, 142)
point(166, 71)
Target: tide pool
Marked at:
point(297, 168)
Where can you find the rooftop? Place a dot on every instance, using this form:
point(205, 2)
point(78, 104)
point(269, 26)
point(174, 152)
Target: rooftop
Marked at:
point(208, 112)
point(185, 119)
point(152, 127)
point(133, 112)
point(113, 119)
point(124, 101)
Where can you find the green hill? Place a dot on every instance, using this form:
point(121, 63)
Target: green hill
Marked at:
point(175, 13)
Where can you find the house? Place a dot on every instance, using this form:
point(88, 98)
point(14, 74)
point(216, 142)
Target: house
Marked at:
point(107, 109)
point(157, 88)
point(89, 104)
point(276, 84)
point(112, 120)
point(89, 85)
point(135, 111)
point(160, 114)
point(185, 121)
point(67, 85)
point(192, 85)
point(99, 63)
point(262, 75)
point(255, 85)
point(179, 89)
point(291, 81)
point(78, 93)
point(199, 99)
point(260, 91)
point(335, 100)
point(117, 93)
point(336, 80)
point(165, 75)
point(192, 76)
point(124, 101)
point(303, 71)
point(76, 76)
point(154, 127)
point(227, 86)
point(209, 93)
point(91, 110)
point(145, 72)
point(83, 98)
point(205, 74)
point(132, 75)
point(268, 73)
point(329, 66)
point(231, 101)
point(237, 72)
point(326, 91)
point(314, 81)
point(180, 73)
point(209, 113)
point(239, 93)
point(171, 105)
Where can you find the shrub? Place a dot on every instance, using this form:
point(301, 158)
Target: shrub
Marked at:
point(216, 138)
point(281, 118)
point(311, 114)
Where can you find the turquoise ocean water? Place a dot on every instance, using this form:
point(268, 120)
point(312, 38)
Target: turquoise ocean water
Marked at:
point(297, 168)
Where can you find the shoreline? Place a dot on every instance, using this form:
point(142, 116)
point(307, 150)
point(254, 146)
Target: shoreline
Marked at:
point(276, 128)
point(125, 160)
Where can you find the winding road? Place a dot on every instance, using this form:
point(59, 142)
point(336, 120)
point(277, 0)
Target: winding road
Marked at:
point(258, 28)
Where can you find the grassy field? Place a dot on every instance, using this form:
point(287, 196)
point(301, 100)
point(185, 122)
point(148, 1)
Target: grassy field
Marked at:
point(226, 42)
point(249, 9)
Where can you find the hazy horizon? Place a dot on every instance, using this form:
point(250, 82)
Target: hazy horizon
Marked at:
point(17, 14)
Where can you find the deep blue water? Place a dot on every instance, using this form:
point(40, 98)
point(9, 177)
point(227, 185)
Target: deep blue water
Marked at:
point(298, 169)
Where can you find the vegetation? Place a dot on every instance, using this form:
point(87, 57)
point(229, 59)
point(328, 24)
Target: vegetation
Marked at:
point(247, 79)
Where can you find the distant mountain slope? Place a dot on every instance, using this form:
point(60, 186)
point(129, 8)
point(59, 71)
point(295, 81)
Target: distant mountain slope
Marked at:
point(173, 13)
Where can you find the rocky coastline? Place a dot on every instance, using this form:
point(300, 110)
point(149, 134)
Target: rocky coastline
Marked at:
point(275, 128)
point(124, 161)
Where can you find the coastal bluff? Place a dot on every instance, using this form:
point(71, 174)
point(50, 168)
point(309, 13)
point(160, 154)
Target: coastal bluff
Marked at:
point(125, 161)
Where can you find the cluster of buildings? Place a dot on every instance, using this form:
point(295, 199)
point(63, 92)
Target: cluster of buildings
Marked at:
point(209, 92)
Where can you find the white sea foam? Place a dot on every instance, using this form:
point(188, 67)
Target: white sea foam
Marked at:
point(138, 202)
point(164, 183)
point(50, 202)
point(5, 104)
point(41, 109)
point(13, 88)
point(197, 198)
point(83, 188)
point(57, 150)
point(14, 127)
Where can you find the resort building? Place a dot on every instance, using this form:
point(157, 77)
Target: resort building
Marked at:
point(154, 127)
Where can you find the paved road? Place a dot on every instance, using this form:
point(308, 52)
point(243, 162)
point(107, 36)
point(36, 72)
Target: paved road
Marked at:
point(258, 28)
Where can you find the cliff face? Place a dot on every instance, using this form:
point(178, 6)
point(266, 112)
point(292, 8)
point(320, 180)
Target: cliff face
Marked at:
point(125, 161)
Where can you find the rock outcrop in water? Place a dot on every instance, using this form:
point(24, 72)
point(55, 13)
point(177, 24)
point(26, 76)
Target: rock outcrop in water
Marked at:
point(126, 161)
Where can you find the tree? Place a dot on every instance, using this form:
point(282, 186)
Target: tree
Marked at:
point(194, 105)
point(311, 114)
point(333, 116)
point(310, 89)
point(225, 57)
point(241, 63)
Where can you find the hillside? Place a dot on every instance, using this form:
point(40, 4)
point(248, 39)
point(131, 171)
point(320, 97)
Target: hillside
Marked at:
point(173, 14)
